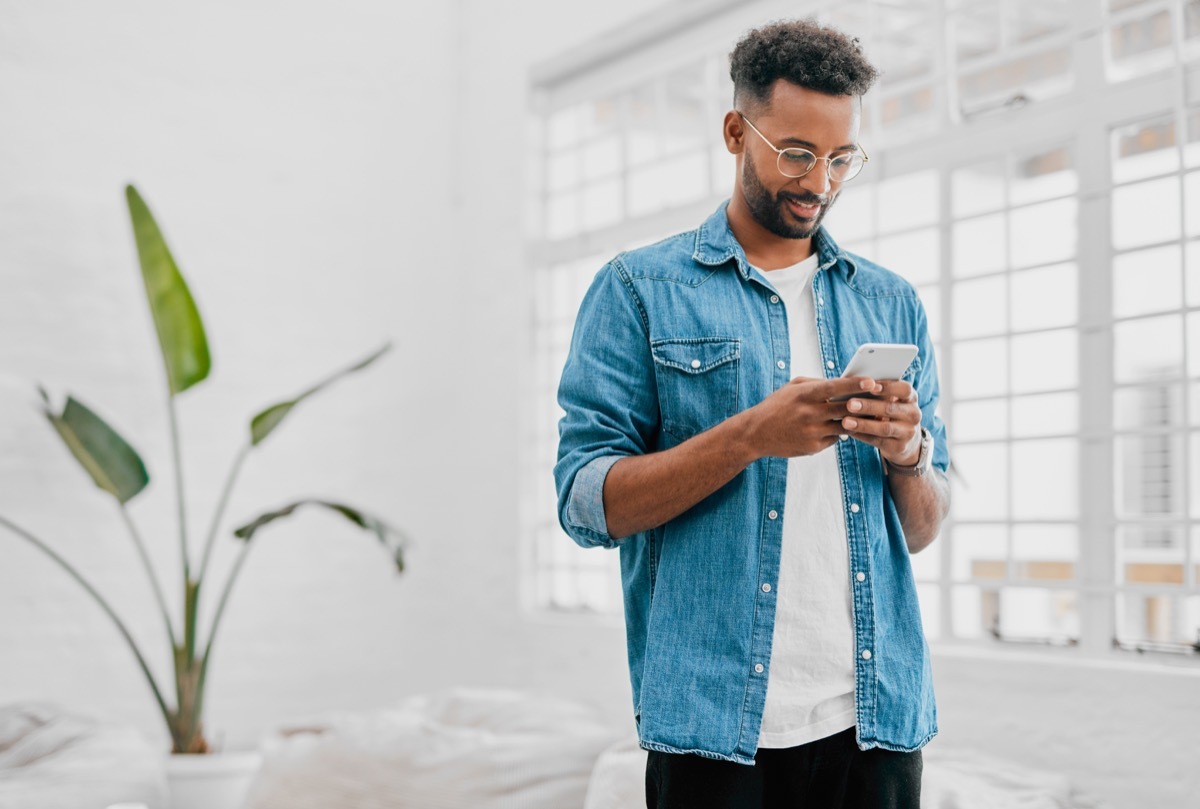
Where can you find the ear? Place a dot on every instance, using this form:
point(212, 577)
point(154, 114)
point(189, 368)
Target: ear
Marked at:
point(734, 132)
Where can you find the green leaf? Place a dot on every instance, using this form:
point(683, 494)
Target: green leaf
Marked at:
point(180, 330)
point(113, 464)
point(391, 538)
point(265, 422)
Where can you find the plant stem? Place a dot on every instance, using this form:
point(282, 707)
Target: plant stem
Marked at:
point(75, 574)
point(158, 593)
point(220, 512)
point(216, 622)
point(189, 605)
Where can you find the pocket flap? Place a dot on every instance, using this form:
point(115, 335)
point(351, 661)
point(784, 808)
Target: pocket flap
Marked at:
point(695, 355)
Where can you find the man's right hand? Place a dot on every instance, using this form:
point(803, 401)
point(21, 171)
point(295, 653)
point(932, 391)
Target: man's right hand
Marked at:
point(800, 419)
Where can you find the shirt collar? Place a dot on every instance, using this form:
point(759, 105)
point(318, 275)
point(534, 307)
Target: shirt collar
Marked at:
point(715, 245)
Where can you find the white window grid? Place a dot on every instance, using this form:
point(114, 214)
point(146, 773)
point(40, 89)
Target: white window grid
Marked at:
point(1071, 561)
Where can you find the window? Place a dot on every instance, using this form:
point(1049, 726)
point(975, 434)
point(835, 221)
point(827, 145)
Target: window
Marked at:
point(1049, 217)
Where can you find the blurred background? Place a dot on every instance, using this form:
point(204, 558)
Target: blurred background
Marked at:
point(451, 176)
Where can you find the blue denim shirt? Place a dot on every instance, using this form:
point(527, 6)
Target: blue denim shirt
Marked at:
point(670, 340)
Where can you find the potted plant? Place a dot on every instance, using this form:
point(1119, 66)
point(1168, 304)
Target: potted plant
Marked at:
point(116, 468)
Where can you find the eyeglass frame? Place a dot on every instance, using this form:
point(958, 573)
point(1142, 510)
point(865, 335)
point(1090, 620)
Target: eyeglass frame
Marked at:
point(828, 160)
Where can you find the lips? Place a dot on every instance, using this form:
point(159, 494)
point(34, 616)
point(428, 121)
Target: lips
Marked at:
point(803, 210)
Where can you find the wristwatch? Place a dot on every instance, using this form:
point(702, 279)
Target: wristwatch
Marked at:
point(924, 460)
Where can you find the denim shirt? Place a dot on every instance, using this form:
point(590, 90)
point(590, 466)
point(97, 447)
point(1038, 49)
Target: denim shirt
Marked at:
point(670, 340)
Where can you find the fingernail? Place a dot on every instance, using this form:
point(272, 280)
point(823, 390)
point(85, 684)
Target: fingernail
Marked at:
point(855, 405)
point(849, 424)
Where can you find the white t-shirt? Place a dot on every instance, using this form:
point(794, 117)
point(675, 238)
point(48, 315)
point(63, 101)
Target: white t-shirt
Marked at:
point(810, 684)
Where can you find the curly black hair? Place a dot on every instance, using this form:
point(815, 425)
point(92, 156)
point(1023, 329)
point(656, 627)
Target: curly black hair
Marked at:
point(803, 52)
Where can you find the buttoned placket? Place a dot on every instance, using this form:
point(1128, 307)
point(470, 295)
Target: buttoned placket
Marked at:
point(861, 596)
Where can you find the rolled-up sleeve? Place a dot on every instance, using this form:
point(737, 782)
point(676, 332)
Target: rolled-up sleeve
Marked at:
point(928, 392)
point(609, 399)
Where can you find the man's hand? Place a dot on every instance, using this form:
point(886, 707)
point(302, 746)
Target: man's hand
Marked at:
point(891, 422)
point(799, 419)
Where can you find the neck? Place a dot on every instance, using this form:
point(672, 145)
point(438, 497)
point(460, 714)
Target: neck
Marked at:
point(764, 249)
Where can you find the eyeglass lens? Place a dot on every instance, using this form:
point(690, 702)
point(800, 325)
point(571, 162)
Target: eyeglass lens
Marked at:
point(798, 162)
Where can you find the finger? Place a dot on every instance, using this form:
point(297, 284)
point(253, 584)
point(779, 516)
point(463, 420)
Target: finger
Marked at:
point(842, 388)
point(903, 391)
point(884, 409)
point(890, 430)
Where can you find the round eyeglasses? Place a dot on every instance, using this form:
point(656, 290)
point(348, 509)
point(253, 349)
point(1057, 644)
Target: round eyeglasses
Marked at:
point(796, 162)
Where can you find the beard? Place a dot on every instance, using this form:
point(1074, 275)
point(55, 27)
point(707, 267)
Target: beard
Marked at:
point(771, 211)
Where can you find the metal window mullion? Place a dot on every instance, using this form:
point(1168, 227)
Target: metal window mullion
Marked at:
point(1096, 493)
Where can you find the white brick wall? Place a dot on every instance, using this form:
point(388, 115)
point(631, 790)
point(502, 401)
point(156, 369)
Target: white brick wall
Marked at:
point(300, 157)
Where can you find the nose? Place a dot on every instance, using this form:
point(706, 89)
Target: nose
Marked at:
point(817, 181)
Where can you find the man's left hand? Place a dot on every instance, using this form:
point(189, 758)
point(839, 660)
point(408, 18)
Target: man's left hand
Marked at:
point(891, 422)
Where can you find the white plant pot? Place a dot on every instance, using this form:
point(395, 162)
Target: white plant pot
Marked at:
point(211, 780)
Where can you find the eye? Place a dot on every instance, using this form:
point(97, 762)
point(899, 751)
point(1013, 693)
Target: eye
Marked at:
point(798, 157)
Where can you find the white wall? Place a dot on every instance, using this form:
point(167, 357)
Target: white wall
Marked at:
point(304, 159)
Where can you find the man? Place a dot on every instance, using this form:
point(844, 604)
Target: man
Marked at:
point(774, 636)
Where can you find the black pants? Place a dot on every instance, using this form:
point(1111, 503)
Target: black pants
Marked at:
point(830, 773)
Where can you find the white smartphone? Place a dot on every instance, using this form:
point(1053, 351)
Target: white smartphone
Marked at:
point(882, 361)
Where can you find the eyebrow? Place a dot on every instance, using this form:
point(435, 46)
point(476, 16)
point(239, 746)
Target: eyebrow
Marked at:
point(851, 147)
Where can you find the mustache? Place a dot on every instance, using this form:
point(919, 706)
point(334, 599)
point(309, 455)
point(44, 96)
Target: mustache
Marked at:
point(806, 199)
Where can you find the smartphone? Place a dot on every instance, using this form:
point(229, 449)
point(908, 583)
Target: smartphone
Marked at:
point(882, 361)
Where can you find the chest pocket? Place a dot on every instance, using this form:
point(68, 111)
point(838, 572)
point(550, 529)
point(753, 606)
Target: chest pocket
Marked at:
point(697, 382)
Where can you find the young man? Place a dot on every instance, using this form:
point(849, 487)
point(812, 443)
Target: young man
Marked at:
point(774, 636)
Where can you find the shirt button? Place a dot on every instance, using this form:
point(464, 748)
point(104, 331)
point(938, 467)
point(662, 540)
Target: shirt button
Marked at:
point(866, 654)
point(772, 514)
point(774, 299)
point(695, 363)
point(820, 301)
point(844, 437)
point(854, 508)
point(758, 668)
point(766, 588)
point(861, 576)
point(781, 364)
point(829, 363)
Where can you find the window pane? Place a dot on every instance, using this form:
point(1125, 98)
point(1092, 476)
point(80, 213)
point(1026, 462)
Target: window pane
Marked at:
point(1044, 298)
point(980, 368)
point(1144, 150)
point(916, 255)
point(1045, 479)
point(980, 307)
point(978, 189)
point(1140, 45)
point(1050, 69)
point(929, 596)
point(1041, 234)
point(1150, 555)
point(1044, 176)
point(1145, 212)
point(562, 170)
point(1158, 619)
point(1030, 613)
point(1045, 414)
point(1045, 552)
point(1148, 407)
point(562, 215)
point(979, 552)
point(1192, 271)
point(683, 114)
point(601, 158)
point(1045, 361)
point(927, 565)
point(1147, 281)
point(1148, 349)
point(979, 246)
point(910, 200)
point(976, 611)
point(981, 420)
point(851, 216)
point(981, 487)
point(1148, 475)
point(601, 204)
